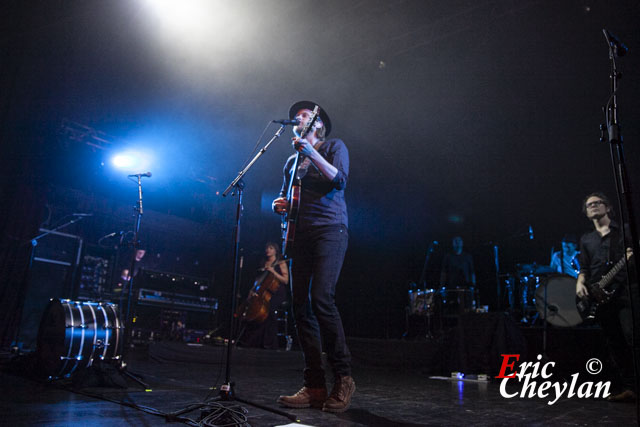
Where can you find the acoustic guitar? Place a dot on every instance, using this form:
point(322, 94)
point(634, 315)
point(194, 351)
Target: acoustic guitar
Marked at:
point(294, 189)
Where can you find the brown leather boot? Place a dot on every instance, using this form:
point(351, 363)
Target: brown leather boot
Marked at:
point(340, 397)
point(305, 398)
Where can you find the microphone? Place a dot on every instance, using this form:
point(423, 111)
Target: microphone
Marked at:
point(147, 174)
point(82, 214)
point(619, 48)
point(285, 122)
point(530, 232)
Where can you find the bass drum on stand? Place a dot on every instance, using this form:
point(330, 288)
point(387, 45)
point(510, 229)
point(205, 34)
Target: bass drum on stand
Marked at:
point(73, 334)
point(560, 300)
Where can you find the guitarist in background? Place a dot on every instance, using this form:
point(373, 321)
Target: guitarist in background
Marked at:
point(317, 255)
point(598, 248)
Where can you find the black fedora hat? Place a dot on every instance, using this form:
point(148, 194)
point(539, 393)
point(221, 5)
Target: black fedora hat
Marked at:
point(308, 105)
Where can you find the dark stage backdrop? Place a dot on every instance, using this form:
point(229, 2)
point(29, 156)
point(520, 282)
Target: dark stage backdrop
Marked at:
point(464, 118)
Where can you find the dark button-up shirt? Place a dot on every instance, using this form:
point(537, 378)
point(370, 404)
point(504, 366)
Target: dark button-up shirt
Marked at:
point(322, 200)
point(596, 251)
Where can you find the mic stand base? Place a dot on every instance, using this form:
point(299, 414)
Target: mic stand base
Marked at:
point(122, 369)
point(227, 394)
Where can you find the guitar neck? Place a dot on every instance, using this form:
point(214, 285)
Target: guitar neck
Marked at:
point(607, 278)
point(296, 163)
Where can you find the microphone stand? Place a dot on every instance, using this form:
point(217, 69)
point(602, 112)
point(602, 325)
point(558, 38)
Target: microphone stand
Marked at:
point(496, 262)
point(423, 274)
point(623, 190)
point(423, 282)
point(227, 392)
point(135, 244)
point(500, 305)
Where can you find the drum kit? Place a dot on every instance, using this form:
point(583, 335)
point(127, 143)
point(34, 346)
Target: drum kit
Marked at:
point(436, 306)
point(533, 292)
point(540, 292)
point(428, 302)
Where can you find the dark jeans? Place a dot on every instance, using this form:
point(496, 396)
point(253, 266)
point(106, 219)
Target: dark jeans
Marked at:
point(318, 254)
point(617, 324)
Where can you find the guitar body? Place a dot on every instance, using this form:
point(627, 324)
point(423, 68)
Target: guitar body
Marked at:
point(294, 193)
point(294, 207)
point(587, 306)
point(601, 291)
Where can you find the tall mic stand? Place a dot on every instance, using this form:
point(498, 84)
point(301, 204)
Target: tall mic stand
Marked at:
point(423, 282)
point(135, 244)
point(623, 191)
point(227, 392)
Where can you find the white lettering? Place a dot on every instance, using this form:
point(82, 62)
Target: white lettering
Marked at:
point(544, 387)
point(526, 377)
point(574, 379)
point(536, 366)
point(523, 370)
point(544, 369)
point(503, 389)
point(528, 386)
point(559, 392)
point(599, 386)
point(587, 392)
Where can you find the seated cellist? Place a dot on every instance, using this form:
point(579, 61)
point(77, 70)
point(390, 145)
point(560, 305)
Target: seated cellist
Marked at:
point(257, 314)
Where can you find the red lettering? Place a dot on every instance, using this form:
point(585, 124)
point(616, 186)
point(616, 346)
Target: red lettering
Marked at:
point(506, 364)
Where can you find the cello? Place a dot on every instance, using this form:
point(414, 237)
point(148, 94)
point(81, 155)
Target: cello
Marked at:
point(258, 303)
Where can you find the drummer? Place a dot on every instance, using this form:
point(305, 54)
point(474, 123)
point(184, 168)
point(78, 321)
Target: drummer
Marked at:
point(566, 260)
point(457, 267)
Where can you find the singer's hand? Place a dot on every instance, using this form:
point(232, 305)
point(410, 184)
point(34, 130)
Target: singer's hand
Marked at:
point(302, 146)
point(280, 205)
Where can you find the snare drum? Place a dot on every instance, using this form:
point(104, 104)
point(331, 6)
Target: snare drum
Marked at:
point(73, 334)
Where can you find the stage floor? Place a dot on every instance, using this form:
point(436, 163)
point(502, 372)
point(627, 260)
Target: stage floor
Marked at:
point(181, 375)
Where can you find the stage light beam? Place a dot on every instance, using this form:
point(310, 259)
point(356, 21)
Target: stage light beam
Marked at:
point(132, 161)
point(122, 161)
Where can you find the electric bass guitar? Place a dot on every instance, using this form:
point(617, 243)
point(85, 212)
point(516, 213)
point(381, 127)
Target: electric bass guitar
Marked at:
point(293, 193)
point(600, 290)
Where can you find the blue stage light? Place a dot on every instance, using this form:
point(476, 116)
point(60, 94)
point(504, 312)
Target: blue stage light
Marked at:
point(133, 161)
point(124, 161)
